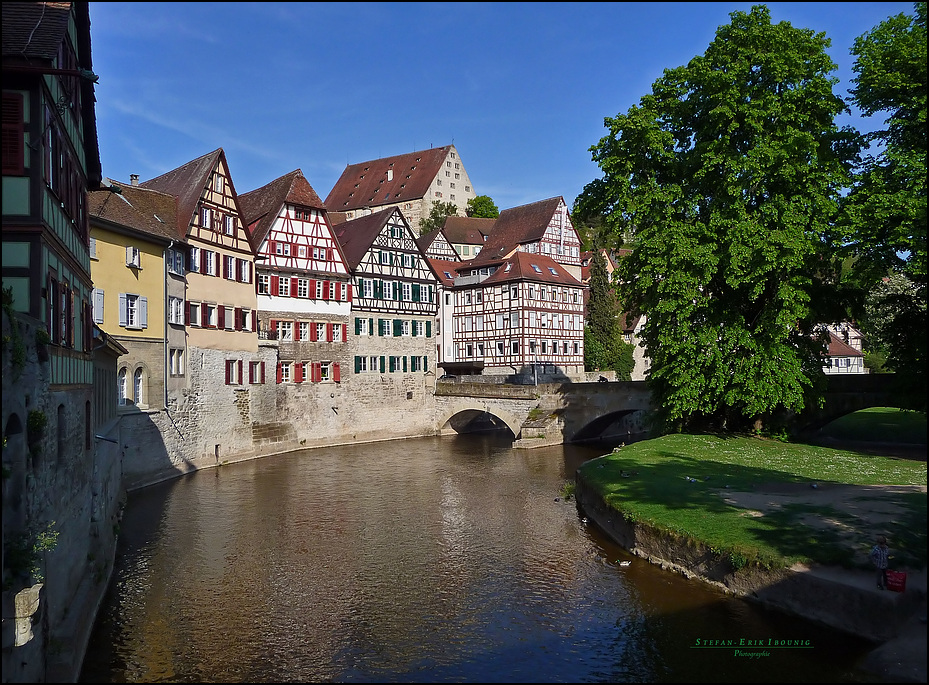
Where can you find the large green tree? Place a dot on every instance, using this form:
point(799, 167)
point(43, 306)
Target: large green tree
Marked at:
point(437, 215)
point(886, 210)
point(604, 347)
point(727, 175)
point(482, 207)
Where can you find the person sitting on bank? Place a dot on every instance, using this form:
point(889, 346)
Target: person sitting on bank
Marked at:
point(880, 554)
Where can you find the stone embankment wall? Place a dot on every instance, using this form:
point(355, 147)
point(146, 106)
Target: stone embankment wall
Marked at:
point(857, 610)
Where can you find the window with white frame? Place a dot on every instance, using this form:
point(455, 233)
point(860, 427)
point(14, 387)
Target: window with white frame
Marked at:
point(337, 332)
point(93, 248)
point(229, 227)
point(303, 330)
point(363, 328)
point(319, 290)
point(343, 290)
point(194, 262)
point(210, 262)
point(367, 287)
point(230, 267)
point(175, 310)
point(229, 318)
point(514, 347)
point(480, 349)
point(206, 217)
point(419, 328)
point(384, 257)
point(133, 257)
point(133, 311)
point(177, 361)
point(233, 372)
point(405, 328)
point(218, 184)
point(283, 286)
point(194, 308)
point(286, 330)
point(175, 262)
point(245, 271)
point(325, 371)
point(514, 319)
point(137, 386)
point(407, 292)
point(212, 315)
point(247, 319)
point(285, 372)
point(254, 372)
point(303, 287)
point(264, 284)
point(331, 290)
point(501, 349)
point(416, 363)
point(122, 386)
point(469, 350)
point(321, 331)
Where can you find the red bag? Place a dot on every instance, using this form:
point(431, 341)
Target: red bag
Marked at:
point(896, 580)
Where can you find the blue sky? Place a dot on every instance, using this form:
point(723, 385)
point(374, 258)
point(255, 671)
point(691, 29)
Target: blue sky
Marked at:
point(521, 89)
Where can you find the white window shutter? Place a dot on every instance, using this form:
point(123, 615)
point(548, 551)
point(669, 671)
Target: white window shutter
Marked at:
point(98, 305)
point(128, 255)
point(122, 309)
point(143, 312)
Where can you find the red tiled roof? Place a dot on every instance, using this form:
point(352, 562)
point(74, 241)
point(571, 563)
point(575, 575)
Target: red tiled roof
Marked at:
point(187, 183)
point(442, 266)
point(366, 185)
point(357, 235)
point(518, 225)
point(260, 207)
point(522, 270)
point(837, 348)
point(466, 230)
point(145, 211)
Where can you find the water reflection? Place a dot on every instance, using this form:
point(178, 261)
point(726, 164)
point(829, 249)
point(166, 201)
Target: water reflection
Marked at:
point(446, 559)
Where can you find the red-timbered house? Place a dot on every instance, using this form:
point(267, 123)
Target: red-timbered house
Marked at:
point(542, 227)
point(394, 300)
point(303, 282)
point(523, 314)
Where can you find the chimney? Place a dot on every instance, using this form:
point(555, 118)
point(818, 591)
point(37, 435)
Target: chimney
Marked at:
point(134, 179)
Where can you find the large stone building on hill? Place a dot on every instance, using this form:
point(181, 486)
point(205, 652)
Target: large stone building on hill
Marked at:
point(411, 182)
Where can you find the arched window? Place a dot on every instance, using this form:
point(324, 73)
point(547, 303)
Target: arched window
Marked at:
point(122, 388)
point(137, 386)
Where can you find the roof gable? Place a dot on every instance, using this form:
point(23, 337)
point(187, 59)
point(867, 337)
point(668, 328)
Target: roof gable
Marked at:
point(520, 225)
point(389, 179)
point(523, 266)
point(142, 210)
point(187, 183)
point(356, 236)
point(466, 230)
point(260, 207)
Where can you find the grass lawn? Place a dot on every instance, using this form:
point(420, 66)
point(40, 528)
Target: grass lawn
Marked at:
point(879, 424)
point(681, 483)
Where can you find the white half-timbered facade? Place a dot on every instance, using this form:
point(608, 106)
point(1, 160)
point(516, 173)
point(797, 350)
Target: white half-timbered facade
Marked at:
point(303, 282)
point(436, 246)
point(394, 296)
point(520, 315)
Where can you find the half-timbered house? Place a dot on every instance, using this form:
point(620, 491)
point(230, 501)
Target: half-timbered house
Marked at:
point(303, 282)
point(542, 227)
point(523, 315)
point(412, 182)
point(435, 245)
point(394, 298)
point(446, 272)
point(467, 234)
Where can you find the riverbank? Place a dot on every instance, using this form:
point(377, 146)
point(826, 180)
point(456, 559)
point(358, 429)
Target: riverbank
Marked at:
point(842, 597)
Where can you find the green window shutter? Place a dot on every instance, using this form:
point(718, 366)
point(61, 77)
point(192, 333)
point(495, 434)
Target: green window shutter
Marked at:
point(382, 364)
point(416, 292)
point(398, 328)
point(357, 362)
point(404, 365)
point(357, 326)
point(391, 365)
point(425, 364)
point(428, 329)
point(371, 326)
point(413, 328)
point(378, 289)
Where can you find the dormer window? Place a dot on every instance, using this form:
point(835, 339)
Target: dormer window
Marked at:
point(535, 267)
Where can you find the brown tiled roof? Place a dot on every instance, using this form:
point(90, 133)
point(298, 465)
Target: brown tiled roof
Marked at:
point(442, 266)
point(522, 270)
point(187, 183)
point(34, 30)
point(366, 184)
point(466, 230)
point(424, 241)
point(337, 217)
point(260, 207)
point(838, 348)
point(627, 322)
point(142, 210)
point(519, 225)
point(357, 235)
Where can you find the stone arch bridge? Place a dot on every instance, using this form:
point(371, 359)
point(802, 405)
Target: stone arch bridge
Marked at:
point(556, 413)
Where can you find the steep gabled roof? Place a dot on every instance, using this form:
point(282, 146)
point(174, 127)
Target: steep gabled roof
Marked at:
point(260, 207)
point(426, 239)
point(357, 235)
point(530, 267)
point(444, 270)
point(34, 30)
point(142, 210)
point(186, 183)
point(366, 184)
point(466, 230)
point(838, 348)
point(519, 225)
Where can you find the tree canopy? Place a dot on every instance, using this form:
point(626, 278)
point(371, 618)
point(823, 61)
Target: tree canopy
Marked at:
point(437, 215)
point(727, 176)
point(482, 207)
point(886, 210)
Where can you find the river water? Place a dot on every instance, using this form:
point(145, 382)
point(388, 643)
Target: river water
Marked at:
point(440, 559)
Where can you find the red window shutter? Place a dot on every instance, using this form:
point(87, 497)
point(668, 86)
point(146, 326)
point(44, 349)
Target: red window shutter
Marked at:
point(293, 249)
point(293, 286)
point(275, 285)
point(349, 292)
point(328, 254)
point(203, 261)
point(221, 317)
point(222, 258)
point(296, 330)
point(238, 318)
point(317, 372)
point(262, 372)
point(325, 290)
point(227, 371)
point(272, 247)
point(280, 371)
point(328, 332)
point(298, 373)
point(338, 292)
point(335, 373)
point(204, 317)
point(13, 150)
point(312, 332)
point(344, 332)
point(273, 324)
point(312, 292)
point(239, 363)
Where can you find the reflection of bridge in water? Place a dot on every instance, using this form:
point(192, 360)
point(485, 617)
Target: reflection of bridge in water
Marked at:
point(555, 413)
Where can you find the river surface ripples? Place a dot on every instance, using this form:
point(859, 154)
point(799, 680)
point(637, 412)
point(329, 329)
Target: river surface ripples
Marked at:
point(440, 559)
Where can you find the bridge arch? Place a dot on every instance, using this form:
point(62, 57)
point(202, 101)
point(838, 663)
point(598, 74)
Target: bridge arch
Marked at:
point(464, 417)
point(628, 423)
